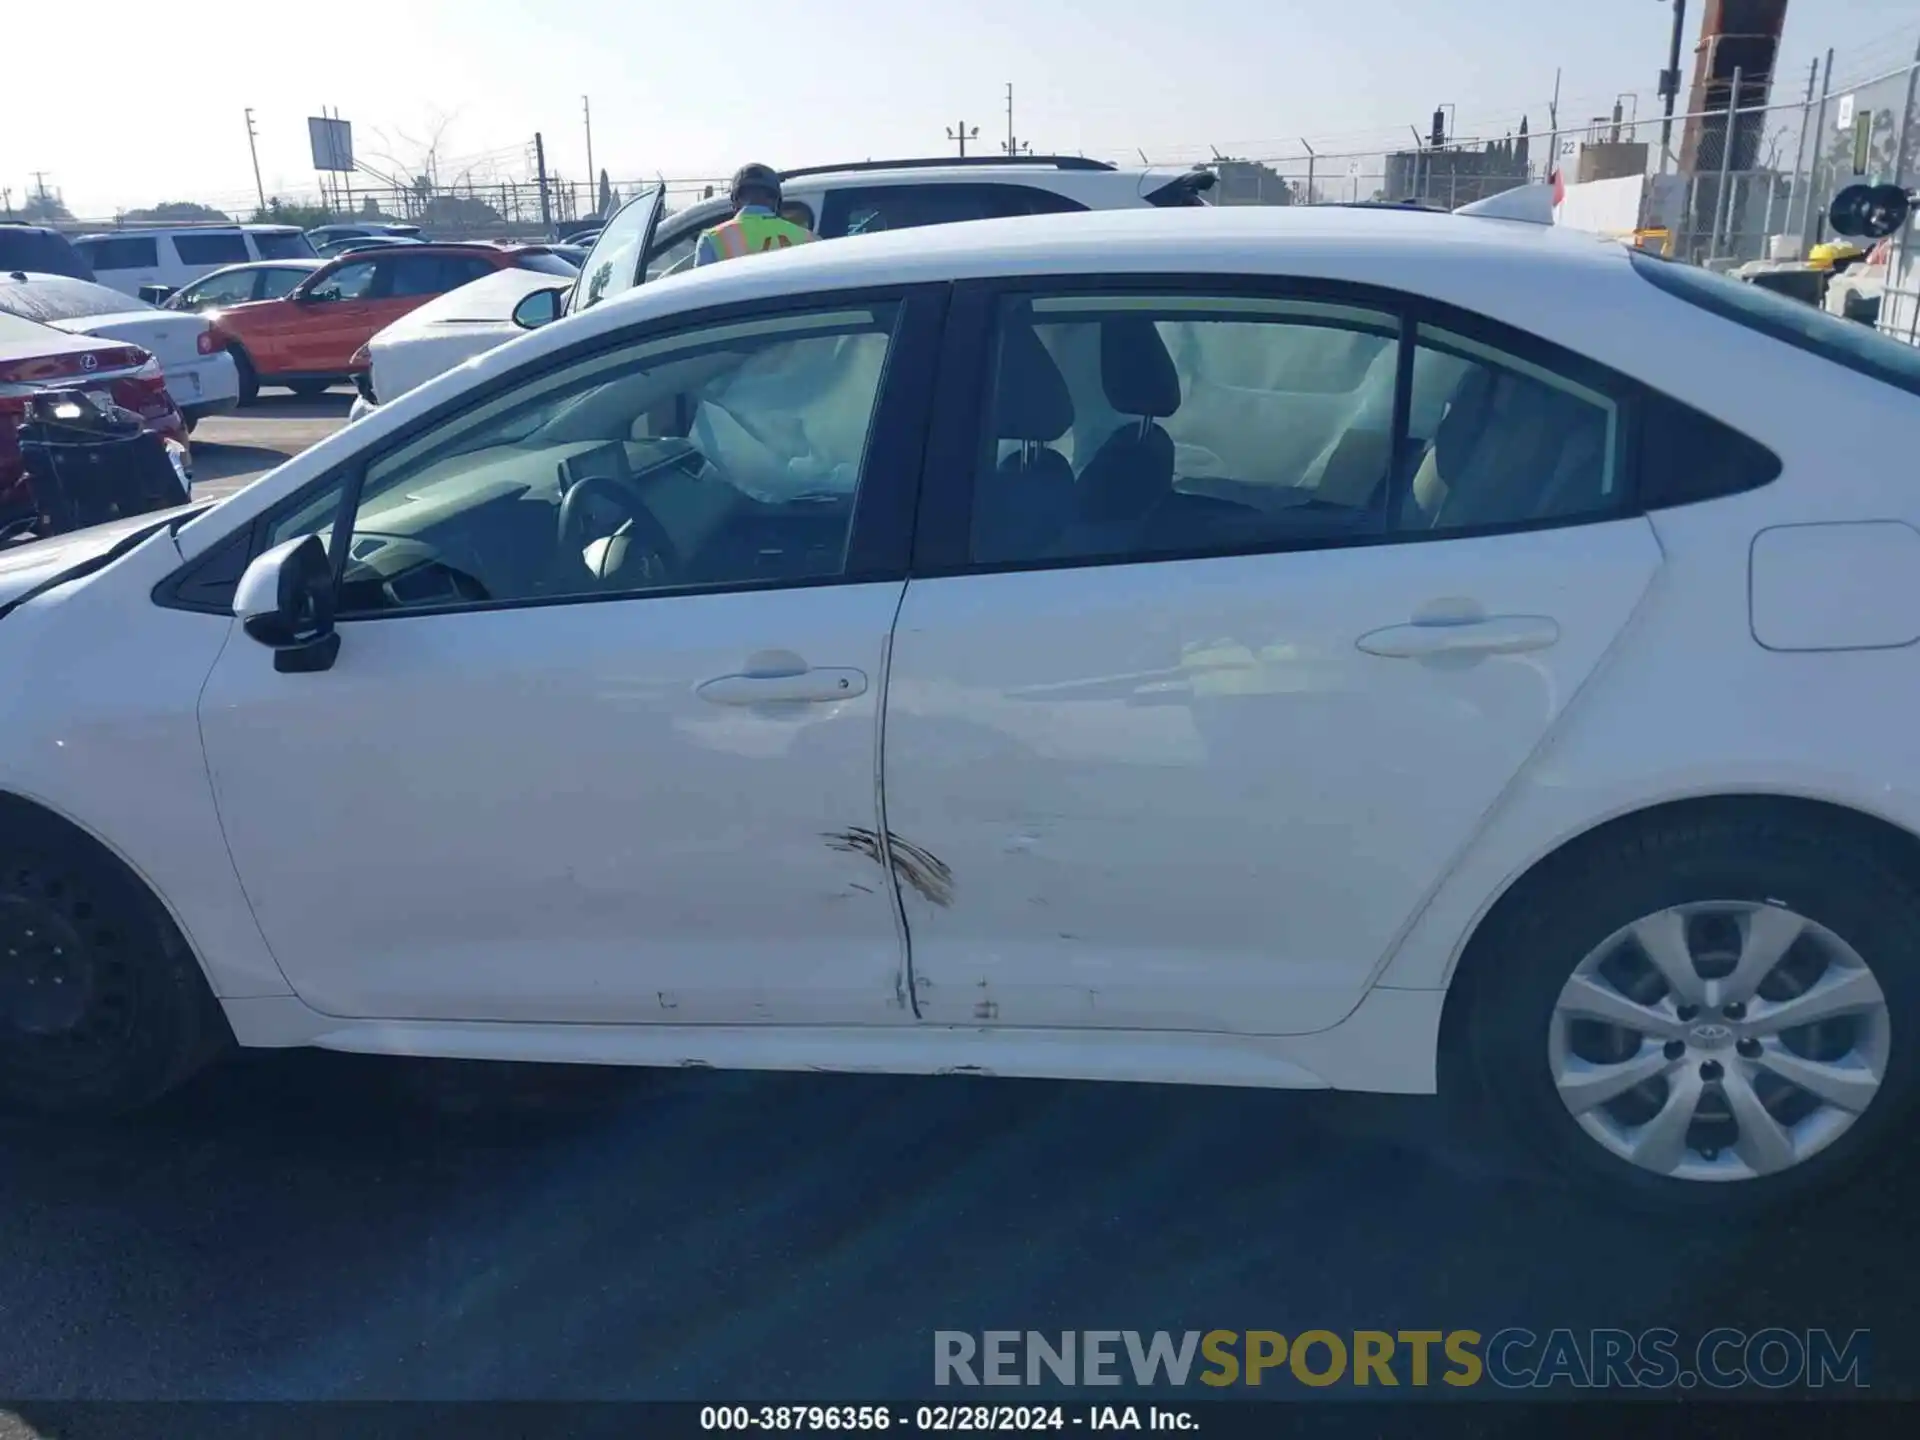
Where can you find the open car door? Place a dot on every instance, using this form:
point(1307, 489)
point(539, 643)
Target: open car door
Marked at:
point(617, 261)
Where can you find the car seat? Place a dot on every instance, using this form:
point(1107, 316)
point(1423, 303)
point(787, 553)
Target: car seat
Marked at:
point(1132, 471)
point(1023, 503)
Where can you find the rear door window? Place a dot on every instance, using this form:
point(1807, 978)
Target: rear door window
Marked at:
point(867, 209)
point(217, 248)
point(120, 252)
point(278, 281)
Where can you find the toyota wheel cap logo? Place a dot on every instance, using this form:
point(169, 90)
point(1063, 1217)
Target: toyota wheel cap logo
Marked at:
point(89, 362)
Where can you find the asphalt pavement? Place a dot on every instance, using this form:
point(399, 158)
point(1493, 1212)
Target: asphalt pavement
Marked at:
point(311, 1226)
point(231, 450)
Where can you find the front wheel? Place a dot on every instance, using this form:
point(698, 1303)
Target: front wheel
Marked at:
point(248, 377)
point(309, 389)
point(1714, 1011)
point(102, 1007)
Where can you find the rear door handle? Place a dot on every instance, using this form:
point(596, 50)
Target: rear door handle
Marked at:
point(816, 685)
point(1494, 635)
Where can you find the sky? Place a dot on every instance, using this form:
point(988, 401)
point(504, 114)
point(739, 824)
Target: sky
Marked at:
point(152, 106)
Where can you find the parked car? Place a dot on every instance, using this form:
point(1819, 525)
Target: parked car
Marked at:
point(41, 250)
point(1317, 648)
point(81, 460)
point(359, 230)
point(199, 374)
point(641, 243)
point(306, 340)
point(241, 285)
point(126, 260)
point(348, 244)
point(36, 359)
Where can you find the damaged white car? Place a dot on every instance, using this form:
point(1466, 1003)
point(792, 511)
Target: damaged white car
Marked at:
point(1306, 648)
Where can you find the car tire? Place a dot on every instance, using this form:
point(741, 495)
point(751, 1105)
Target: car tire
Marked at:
point(309, 389)
point(103, 1009)
point(248, 377)
point(1707, 887)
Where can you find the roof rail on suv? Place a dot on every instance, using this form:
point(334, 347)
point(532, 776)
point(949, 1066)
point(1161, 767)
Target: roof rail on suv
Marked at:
point(1055, 162)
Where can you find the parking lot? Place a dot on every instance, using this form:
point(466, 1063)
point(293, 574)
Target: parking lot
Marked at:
point(316, 1226)
point(230, 450)
point(320, 1226)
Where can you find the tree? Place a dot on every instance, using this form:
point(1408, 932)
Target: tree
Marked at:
point(284, 212)
point(179, 212)
point(44, 207)
point(1520, 148)
point(606, 196)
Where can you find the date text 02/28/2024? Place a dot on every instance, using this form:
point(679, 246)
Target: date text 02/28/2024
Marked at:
point(941, 1419)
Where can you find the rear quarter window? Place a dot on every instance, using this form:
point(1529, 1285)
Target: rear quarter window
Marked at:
point(1858, 347)
point(292, 246)
point(229, 249)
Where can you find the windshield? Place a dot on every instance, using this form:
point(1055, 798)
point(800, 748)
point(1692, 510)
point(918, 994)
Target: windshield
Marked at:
point(1859, 347)
point(54, 297)
point(291, 245)
point(613, 264)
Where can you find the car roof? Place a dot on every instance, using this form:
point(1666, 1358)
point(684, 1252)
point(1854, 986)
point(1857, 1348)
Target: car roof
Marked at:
point(292, 262)
point(1251, 239)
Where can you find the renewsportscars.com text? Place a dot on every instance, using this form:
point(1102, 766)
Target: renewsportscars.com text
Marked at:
point(1514, 1358)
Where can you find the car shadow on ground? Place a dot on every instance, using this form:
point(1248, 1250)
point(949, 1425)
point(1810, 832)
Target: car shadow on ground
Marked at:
point(307, 1225)
point(283, 405)
point(213, 461)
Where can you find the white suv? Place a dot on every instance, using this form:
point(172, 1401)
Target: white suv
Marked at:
point(126, 260)
point(846, 199)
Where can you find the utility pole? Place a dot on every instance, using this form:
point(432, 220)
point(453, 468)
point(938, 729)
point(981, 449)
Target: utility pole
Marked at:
point(1013, 146)
point(1311, 157)
point(6, 201)
point(1553, 129)
point(346, 176)
point(254, 150)
point(962, 134)
point(540, 168)
point(586, 113)
point(1670, 82)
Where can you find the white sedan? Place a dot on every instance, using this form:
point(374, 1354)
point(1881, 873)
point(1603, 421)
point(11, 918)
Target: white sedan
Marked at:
point(1322, 648)
point(198, 370)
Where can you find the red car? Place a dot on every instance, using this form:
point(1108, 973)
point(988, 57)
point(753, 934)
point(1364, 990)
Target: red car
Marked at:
point(307, 339)
point(36, 357)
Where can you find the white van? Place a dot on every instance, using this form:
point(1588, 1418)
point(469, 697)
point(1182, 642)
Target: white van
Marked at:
point(124, 260)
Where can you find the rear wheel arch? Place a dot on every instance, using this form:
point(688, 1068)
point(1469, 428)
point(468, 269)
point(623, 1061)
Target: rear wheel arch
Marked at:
point(1898, 847)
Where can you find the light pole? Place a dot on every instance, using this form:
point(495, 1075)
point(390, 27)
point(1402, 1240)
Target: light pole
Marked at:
point(962, 134)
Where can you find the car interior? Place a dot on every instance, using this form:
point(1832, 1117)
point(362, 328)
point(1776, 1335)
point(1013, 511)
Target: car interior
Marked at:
point(728, 463)
point(1131, 432)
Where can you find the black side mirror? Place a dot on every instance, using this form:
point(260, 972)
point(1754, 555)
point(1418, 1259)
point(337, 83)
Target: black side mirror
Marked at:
point(1869, 212)
point(286, 601)
point(540, 307)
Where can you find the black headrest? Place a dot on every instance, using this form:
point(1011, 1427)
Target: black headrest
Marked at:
point(1033, 403)
point(1135, 369)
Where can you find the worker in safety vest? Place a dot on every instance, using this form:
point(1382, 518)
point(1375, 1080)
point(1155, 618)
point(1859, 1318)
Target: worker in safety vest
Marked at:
point(756, 224)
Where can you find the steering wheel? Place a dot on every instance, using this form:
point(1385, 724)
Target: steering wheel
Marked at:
point(639, 546)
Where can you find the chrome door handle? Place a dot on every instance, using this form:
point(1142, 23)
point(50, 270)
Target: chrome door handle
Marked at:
point(802, 686)
point(1494, 635)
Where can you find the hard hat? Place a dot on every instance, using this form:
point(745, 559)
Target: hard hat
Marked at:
point(1831, 252)
point(763, 178)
